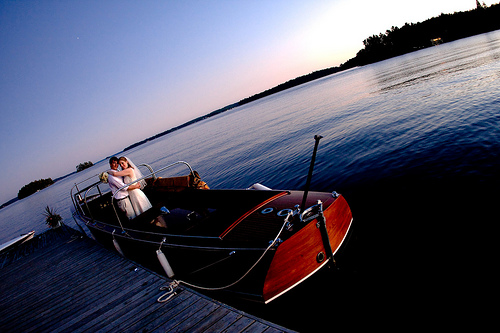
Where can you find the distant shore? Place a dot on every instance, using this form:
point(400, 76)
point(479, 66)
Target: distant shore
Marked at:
point(395, 42)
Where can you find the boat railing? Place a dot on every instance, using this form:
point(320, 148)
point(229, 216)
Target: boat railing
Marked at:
point(191, 171)
point(79, 200)
point(153, 174)
point(76, 192)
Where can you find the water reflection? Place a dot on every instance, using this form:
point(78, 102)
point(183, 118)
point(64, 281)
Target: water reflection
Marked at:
point(439, 61)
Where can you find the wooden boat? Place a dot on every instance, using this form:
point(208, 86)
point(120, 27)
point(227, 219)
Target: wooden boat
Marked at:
point(16, 241)
point(257, 242)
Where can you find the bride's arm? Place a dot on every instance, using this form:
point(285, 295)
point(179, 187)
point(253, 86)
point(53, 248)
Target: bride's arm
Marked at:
point(123, 173)
point(134, 187)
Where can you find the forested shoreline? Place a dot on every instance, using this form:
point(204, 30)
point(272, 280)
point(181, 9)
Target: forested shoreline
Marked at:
point(409, 38)
point(415, 36)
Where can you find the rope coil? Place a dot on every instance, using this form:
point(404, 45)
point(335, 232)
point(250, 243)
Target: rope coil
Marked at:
point(170, 293)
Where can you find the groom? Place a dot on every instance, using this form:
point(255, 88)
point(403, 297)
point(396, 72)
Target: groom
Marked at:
point(121, 198)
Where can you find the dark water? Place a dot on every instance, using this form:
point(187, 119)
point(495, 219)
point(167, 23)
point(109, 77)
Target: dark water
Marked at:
point(412, 143)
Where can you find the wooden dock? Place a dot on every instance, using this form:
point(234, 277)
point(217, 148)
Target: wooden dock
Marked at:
point(61, 281)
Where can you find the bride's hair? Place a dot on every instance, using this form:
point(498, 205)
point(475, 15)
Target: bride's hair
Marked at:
point(125, 160)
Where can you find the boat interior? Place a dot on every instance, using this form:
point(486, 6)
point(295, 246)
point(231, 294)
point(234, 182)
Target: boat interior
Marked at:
point(182, 207)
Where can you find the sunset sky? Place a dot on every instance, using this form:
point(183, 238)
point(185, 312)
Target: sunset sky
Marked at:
point(75, 74)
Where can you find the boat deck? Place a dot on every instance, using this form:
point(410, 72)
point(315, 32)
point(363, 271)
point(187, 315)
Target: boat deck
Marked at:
point(63, 281)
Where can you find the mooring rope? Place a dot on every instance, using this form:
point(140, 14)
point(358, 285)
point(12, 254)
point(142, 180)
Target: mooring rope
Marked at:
point(171, 292)
point(175, 283)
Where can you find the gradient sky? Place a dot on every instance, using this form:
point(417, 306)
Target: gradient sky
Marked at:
point(75, 74)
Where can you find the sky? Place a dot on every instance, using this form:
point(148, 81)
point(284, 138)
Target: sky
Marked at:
point(81, 80)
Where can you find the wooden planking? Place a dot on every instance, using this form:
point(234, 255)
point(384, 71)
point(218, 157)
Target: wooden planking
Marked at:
point(208, 321)
point(296, 259)
point(62, 281)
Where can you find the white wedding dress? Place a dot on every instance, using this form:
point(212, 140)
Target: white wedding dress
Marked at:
point(139, 200)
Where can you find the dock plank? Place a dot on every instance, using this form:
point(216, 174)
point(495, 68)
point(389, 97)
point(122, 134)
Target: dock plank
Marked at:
point(94, 310)
point(192, 313)
point(124, 309)
point(46, 286)
point(192, 320)
point(68, 289)
point(61, 281)
point(255, 327)
point(226, 321)
point(239, 325)
point(153, 320)
point(138, 310)
point(204, 324)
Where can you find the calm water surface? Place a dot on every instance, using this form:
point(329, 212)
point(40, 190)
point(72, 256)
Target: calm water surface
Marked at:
point(412, 142)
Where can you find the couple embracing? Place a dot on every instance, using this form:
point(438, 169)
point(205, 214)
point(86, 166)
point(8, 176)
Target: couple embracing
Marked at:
point(131, 200)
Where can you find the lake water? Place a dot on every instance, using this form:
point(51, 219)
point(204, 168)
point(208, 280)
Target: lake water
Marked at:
point(413, 144)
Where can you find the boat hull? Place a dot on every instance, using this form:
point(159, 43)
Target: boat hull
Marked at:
point(253, 242)
point(305, 253)
point(211, 267)
point(16, 241)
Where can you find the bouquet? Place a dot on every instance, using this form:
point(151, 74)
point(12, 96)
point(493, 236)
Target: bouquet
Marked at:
point(103, 176)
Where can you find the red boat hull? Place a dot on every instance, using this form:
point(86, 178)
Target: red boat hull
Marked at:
point(304, 253)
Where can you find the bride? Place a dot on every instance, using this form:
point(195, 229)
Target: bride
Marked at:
point(130, 172)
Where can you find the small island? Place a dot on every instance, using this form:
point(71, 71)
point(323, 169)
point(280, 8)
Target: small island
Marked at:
point(40, 184)
point(83, 166)
point(33, 187)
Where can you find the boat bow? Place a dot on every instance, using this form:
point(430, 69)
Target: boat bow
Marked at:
point(306, 251)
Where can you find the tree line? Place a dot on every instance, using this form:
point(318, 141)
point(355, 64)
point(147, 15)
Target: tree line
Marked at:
point(415, 36)
point(409, 38)
point(394, 42)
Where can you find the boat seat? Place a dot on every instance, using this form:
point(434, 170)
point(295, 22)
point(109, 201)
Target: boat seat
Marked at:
point(178, 184)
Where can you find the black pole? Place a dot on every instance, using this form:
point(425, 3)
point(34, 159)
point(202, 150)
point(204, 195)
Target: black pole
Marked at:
point(309, 176)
